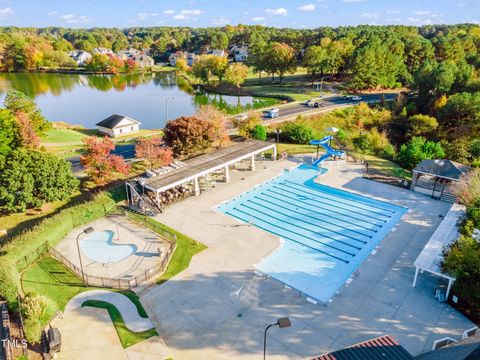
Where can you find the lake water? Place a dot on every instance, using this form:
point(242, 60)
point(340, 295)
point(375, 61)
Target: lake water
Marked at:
point(88, 99)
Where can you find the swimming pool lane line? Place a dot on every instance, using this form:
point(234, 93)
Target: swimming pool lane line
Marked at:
point(316, 224)
point(288, 238)
point(334, 198)
point(294, 232)
point(325, 211)
point(317, 213)
point(328, 207)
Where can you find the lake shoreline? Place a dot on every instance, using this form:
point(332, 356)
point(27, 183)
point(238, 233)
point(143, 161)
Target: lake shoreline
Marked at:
point(86, 72)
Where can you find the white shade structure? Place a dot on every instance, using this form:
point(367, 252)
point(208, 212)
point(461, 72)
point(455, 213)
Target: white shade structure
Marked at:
point(431, 255)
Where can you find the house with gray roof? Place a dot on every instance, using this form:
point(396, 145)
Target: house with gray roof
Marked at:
point(118, 125)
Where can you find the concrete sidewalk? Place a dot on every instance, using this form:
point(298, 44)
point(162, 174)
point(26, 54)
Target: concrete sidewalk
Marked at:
point(133, 321)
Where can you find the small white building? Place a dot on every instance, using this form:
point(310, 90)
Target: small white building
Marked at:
point(118, 125)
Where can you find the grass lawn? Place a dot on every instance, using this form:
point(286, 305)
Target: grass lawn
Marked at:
point(16, 222)
point(69, 142)
point(385, 166)
point(58, 285)
point(186, 247)
point(127, 337)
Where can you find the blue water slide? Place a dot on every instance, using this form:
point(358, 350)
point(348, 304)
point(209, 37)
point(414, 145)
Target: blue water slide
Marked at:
point(329, 151)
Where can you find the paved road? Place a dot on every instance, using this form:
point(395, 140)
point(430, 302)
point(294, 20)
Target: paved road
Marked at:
point(329, 102)
point(126, 151)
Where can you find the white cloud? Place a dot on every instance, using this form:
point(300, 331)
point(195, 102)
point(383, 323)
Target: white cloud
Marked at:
point(278, 11)
point(420, 13)
point(307, 7)
point(258, 18)
point(74, 19)
point(180, 17)
point(420, 21)
point(192, 12)
point(168, 12)
point(220, 21)
point(370, 15)
point(145, 15)
point(8, 11)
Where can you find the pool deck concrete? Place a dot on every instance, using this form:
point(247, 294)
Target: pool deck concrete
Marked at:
point(126, 232)
point(218, 307)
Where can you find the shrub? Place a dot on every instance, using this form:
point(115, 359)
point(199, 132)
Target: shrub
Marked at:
point(9, 282)
point(259, 132)
point(363, 142)
point(389, 152)
point(246, 125)
point(33, 330)
point(34, 306)
point(297, 133)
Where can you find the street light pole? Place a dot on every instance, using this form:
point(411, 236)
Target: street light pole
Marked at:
point(166, 106)
point(85, 231)
point(282, 323)
point(278, 132)
point(321, 83)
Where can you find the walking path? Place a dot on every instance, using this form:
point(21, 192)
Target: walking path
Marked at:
point(88, 332)
point(133, 321)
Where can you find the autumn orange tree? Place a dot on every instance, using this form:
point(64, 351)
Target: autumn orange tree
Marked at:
point(100, 164)
point(189, 135)
point(217, 119)
point(153, 152)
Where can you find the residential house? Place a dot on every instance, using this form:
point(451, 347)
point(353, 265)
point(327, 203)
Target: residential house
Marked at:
point(80, 57)
point(239, 53)
point(221, 53)
point(172, 59)
point(118, 125)
point(192, 58)
point(103, 51)
point(141, 58)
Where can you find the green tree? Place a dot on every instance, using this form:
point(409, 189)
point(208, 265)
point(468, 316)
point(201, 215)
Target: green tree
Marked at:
point(7, 131)
point(259, 132)
point(17, 102)
point(280, 59)
point(236, 74)
point(315, 61)
point(31, 178)
point(417, 150)
point(461, 114)
point(421, 125)
point(375, 66)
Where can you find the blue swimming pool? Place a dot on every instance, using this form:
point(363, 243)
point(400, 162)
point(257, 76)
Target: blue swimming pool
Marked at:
point(99, 247)
point(326, 232)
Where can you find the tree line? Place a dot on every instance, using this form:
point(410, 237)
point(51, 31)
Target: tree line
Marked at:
point(372, 56)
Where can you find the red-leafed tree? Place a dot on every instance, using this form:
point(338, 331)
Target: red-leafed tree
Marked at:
point(100, 165)
point(26, 134)
point(116, 64)
point(189, 135)
point(130, 66)
point(153, 153)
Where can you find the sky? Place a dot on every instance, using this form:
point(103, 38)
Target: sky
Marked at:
point(203, 13)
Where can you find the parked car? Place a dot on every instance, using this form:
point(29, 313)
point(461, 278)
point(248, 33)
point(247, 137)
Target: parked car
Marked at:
point(356, 98)
point(319, 104)
point(345, 97)
point(310, 103)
